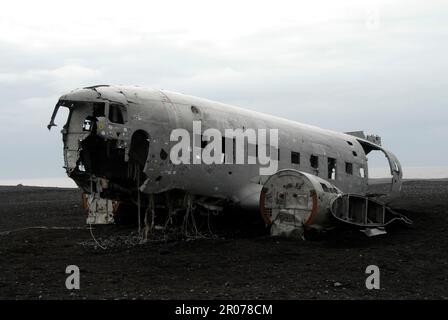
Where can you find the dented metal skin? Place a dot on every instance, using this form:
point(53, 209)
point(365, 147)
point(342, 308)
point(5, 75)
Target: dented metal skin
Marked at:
point(292, 202)
point(121, 135)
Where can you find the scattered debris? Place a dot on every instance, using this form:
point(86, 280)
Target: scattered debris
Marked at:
point(337, 284)
point(371, 232)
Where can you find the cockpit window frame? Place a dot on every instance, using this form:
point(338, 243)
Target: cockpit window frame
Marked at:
point(122, 112)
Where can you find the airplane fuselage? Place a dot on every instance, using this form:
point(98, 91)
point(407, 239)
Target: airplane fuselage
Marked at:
point(122, 134)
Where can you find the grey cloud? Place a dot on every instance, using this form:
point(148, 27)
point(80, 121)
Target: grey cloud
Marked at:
point(391, 81)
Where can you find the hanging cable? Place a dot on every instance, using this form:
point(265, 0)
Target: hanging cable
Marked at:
point(94, 239)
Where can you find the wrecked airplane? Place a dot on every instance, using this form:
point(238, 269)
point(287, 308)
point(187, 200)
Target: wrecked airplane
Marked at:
point(121, 147)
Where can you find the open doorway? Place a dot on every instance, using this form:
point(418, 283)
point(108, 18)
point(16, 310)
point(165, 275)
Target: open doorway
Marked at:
point(379, 168)
point(384, 169)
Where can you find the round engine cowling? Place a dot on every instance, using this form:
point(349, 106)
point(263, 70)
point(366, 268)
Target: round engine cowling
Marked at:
point(292, 201)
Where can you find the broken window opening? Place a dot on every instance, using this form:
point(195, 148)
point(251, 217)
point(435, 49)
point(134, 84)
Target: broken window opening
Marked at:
point(362, 172)
point(349, 168)
point(194, 110)
point(381, 174)
point(379, 167)
point(324, 187)
point(332, 168)
point(314, 161)
point(116, 114)
point(295, 157)
point(61, 115)
point(99, 109)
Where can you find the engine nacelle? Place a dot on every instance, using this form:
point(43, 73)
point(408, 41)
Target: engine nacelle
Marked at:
point(292, 201)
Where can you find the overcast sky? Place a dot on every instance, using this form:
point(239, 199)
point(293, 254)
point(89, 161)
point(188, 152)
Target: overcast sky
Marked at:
point(378, 66)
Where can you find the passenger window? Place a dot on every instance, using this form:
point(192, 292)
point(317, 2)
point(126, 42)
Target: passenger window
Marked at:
point(349, 168)
point(116, 114)
point(332, 168)
point(314, 161)
point(295, 157)
point(362, 172)
point(98, 109)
